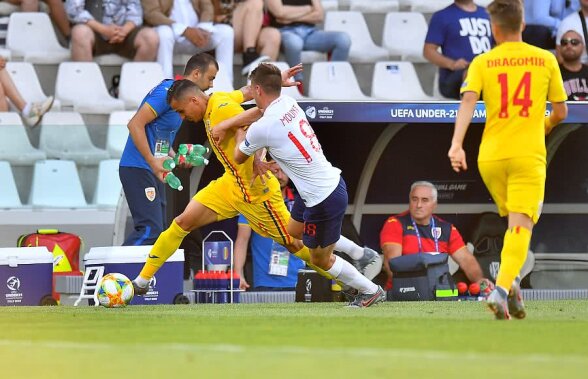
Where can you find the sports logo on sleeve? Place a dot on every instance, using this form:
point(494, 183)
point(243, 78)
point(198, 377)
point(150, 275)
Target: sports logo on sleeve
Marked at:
point(150, 193)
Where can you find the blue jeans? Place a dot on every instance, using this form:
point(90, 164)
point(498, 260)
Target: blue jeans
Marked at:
point(297, 38)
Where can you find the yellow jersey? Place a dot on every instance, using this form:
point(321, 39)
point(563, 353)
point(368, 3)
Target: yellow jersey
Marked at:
point(515, 80)
point(222, 106)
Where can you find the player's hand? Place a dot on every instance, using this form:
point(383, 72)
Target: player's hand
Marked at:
point(199, 37)
point(156, 165)
point(262, 169)
point(457, 158)
point(460, 64)
point(288, 74)
point(243, 285)
point(219, 132)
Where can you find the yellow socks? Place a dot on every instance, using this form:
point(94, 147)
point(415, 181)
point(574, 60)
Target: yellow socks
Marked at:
point(167, 244)
point(514, 253)
point(304, 254)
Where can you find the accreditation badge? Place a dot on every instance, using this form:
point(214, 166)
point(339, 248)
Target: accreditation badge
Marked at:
point(279, 259)
point(161, 148)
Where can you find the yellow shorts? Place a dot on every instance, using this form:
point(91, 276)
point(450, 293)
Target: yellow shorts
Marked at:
point(268, 218)
point(516, 185)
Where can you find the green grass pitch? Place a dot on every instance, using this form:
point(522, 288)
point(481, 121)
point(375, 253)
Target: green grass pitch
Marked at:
point(302, 341)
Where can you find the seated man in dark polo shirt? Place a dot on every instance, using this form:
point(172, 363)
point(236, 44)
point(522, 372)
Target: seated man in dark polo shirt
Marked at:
point(418, 230)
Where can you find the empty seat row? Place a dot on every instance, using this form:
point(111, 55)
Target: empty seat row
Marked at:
point(56, 184)
point(63, 135)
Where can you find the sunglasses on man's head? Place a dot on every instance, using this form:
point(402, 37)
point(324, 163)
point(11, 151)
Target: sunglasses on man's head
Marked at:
point(573, 41)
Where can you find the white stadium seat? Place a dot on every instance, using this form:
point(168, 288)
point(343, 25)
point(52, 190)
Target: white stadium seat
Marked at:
point(374, 6)
point(136, 80)
point(404, 35)
point(429, 6)
point(108, 186)
point(15, 145)
point(31, 37)
point(118, 132)
point(65, 136)
point(81, 85)
point(330, 5)
point(290, 91)
point(25, 79)
point(56, 184)
point(397, 81)
point(334, 81)
point(8, 193)
point(363, 48)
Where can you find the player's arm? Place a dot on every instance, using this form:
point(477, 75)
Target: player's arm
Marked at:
point(136, 127)
point(559, 112)
point(468, 264)
point(465, 113)
point(241, 243)
point(245, 118)
point(287, 81)
point(240, 156)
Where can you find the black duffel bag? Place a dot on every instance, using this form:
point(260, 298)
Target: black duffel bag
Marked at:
point(422, 276)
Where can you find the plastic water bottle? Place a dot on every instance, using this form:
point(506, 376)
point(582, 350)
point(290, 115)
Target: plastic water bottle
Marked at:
point(172, 180)
point(207, 286)
point(188, 148)
point(224, 284)
point(169, 164)
point(199, 285)
point(196, 160)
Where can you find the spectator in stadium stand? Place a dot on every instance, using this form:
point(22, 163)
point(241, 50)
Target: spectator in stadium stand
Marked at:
point(461, 31)
point(297, 20)
point(186, 27)
point(573, 72)
point(56, 12)
point(257, 42)
point(152, 131)
point(542, 18)
point(110, 27)
point(573, 22)
point(419, 231)
point(31, 113)
point(274, 268)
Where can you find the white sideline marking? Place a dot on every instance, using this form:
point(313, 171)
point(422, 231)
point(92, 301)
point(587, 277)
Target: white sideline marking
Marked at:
point(339, 351)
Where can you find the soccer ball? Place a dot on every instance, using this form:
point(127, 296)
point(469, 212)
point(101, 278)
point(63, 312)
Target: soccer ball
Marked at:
point(115, 291)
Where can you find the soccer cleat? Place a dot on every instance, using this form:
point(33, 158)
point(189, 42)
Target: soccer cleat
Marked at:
point(497, 304)
point(370, 264)
point(350, 293)
point(516, 307)
point(364, 300)
point(140, 291)
point(35, 115)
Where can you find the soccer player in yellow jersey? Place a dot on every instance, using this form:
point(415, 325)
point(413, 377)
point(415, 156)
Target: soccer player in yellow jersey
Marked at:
point(515, 80)
point(237, 191)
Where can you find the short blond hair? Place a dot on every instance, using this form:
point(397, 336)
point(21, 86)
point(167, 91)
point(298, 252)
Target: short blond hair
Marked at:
point(508, 15)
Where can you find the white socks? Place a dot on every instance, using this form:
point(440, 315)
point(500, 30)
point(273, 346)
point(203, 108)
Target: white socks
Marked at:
point(345, 245)
point(347, 274)
point(141, 282)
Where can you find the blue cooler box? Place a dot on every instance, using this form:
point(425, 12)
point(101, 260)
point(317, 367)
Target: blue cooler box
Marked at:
point(167, 285)
point(26, 276)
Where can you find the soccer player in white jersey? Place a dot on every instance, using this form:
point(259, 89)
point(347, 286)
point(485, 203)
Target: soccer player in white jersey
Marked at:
point(319, 207)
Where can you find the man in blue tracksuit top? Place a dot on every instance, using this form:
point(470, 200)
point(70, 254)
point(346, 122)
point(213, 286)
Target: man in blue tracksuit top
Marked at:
point(152, 131)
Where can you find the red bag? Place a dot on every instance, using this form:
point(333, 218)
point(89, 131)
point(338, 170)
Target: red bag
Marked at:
point(65, 247)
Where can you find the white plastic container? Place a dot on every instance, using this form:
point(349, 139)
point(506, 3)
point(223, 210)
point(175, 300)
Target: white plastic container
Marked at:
point(167, 285)
point(26, 276)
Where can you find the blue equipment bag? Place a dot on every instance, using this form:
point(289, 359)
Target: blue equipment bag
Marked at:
point(421, 276)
